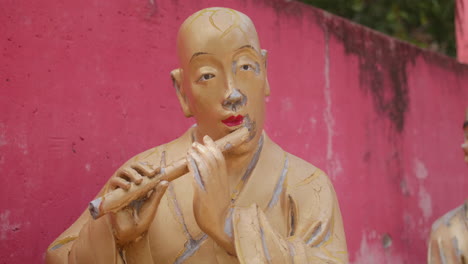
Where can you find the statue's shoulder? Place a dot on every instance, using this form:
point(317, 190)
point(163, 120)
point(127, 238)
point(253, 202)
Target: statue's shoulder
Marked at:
point(305, 183)
point(450, 221)
point(303, 173)
point(300, 173)
point(448, 235)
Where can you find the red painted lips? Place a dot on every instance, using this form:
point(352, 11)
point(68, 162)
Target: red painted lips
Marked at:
point(233, 120)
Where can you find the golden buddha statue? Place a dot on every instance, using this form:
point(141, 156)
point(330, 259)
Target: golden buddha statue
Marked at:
point(255, 203)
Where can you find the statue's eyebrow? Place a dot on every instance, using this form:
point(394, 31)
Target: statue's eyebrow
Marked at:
point(197, 54)
point(249, 47)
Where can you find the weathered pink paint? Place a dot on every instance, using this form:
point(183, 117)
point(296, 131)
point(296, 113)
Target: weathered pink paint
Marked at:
point(461, 28)
point(84, 85)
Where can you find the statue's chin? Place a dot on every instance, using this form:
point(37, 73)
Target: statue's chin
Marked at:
point(247, 148)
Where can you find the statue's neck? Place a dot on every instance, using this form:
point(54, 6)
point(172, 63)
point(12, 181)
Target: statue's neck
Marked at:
point(240, 166)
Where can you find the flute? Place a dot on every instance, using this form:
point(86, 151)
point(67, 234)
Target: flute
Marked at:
point(119, 198)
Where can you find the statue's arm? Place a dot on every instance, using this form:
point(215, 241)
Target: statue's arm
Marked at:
point(317, 236)
point(112, 238)
point(80, 242)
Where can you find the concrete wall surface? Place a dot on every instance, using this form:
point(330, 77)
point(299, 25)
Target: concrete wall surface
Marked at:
point(84, 85)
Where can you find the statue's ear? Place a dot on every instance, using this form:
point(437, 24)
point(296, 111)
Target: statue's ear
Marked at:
point(176, 76)
point(264, 53)
point(267, 87)
point(265, 59)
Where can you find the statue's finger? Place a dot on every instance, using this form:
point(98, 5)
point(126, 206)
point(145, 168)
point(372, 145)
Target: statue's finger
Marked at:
point(117, 182)
point(207, 156)
point(144, 169)
point(215, 151)
point(206, 166)
point(132, 174)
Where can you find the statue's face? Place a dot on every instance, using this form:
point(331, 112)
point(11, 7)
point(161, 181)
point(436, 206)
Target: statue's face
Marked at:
point(223, 72)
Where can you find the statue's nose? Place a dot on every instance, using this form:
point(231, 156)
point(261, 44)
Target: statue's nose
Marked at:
point(235, 100)
point(235, 96)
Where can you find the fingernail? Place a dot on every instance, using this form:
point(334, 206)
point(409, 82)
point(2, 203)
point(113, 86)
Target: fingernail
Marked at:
point(163, 184)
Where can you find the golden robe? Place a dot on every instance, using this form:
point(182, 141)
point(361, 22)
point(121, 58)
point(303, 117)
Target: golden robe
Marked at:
point(286, 211)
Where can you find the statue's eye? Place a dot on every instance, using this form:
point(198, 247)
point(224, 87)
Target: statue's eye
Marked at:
point(246, 67)
point(206, 77)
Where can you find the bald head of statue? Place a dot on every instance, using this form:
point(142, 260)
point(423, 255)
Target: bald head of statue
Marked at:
point(222, 79)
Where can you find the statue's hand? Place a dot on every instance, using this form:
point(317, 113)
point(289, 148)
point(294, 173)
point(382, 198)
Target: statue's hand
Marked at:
point(211, 199)
point(134, 220)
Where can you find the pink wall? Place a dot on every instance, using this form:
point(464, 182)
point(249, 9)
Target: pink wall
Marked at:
point(84, 85)
point(461, 26)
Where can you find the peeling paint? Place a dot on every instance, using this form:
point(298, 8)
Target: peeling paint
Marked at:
point(162, 162)
point(420, 169)
point(24, 147)
point(279, 185)
point(327, 115)
point(447, 218)
point(441, 247)
point(368, 252)
point(228, 223)
point(455, 245)
point(333, 163)
point(235, 101)
point(88, 167)
point(371, 251)
point(383, 66)
point(6, 226)
point(313, 121)
point(196, 174)
point(178, 211)
point(425, 202)
point(265, 247)
point(191, 247)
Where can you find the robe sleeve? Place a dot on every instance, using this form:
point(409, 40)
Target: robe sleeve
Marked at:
point(315, 235)
point(82, 242)
point(95, 243)
point(92, 241)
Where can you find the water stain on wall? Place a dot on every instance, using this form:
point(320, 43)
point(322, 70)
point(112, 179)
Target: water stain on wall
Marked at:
point(383, 66)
